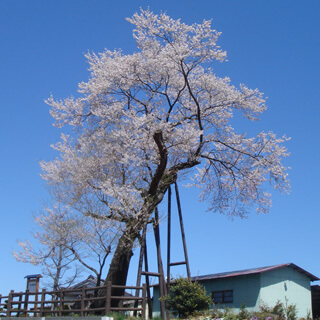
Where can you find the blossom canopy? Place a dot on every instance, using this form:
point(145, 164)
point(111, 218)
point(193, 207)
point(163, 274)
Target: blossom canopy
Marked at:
point(145, 119)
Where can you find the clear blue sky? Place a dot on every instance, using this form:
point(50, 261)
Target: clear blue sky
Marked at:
point(273, 45)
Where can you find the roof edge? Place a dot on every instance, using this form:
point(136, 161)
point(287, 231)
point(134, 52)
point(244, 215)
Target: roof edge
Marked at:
point(254, 271)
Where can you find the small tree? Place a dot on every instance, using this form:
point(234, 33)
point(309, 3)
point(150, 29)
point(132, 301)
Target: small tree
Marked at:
point(66, 237)
point(49, 248)
point(186, 297)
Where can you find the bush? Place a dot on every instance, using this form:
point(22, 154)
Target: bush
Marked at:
point(243, 313)
point(187, 297)
point(279, 311)
point(117, 316)
point(291, 312)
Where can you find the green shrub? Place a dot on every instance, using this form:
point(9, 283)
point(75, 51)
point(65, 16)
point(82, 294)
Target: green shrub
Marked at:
point(117, 316)
point(243, 313)
point(187, 297)
point(215, 313)
point(229, 314)
point(278, 309)
point(291, 312)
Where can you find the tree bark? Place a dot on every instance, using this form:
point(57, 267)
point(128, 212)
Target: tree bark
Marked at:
point(119, 266)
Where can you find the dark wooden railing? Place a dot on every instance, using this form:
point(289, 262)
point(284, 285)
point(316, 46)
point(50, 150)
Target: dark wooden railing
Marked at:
point(71, 302)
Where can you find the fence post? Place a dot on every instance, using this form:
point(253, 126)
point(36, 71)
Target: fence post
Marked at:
point(143, 302)
point(9, 304)
point(1, 304)
point(43, 295)
point(108, 297)
point(26, 300)
point(35, 303)
point(61, 303)
point(19, 304)
point(83, 295)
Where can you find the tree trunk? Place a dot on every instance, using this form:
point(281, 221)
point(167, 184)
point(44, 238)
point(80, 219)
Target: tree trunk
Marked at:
point(119, 267)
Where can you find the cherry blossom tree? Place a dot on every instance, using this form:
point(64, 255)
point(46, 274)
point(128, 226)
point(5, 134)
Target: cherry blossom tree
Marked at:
point(146, 119)
point(66, 240)
point(49, 248)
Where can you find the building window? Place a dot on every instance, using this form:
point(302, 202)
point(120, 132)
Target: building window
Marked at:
point(222, 296)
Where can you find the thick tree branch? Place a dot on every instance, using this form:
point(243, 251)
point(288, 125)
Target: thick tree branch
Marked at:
point(163, 153)
point(81, 261)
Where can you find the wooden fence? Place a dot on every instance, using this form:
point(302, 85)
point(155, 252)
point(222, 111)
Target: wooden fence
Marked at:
point(66, 302)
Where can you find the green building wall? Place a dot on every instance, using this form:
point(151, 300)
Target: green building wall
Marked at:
point(289, 286)
point(245, 290)
point(286, 285)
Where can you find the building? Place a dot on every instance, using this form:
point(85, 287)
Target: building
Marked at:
point(286, 283)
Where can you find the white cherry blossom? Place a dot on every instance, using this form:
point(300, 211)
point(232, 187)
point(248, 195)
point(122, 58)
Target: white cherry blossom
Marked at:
point(160, 114)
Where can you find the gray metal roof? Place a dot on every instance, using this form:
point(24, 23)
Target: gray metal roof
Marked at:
point(91, 281)
point(253, 271)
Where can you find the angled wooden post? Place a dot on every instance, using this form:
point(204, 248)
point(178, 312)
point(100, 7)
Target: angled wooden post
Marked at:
point(138, 283)
point(146, 266)
point(169, 240)
point(182, 231)
point(162, 281)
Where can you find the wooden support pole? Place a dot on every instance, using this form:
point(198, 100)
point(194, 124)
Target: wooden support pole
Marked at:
point(146, 267)
point(182, 231)
point(143, 302)
point(142, 248)
point(157, 238)
point(169, 240)
point(162, 282)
